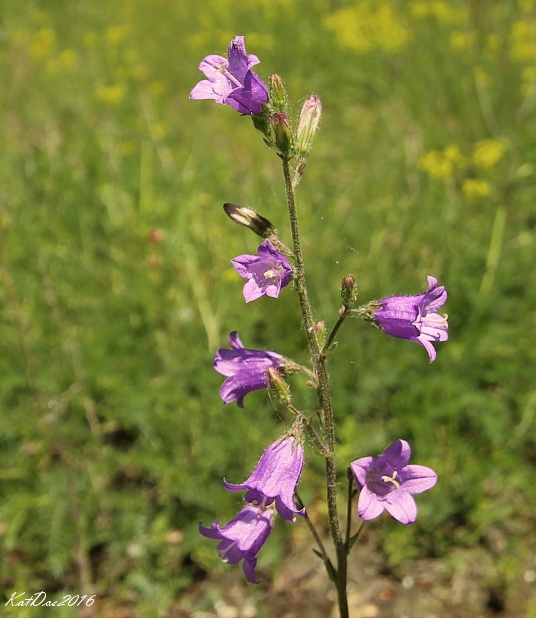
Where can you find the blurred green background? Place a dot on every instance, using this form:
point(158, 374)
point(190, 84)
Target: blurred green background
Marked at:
point(116, 287)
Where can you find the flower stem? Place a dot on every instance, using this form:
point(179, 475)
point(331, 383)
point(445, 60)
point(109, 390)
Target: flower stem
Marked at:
point(324, 398)
point(342, 314)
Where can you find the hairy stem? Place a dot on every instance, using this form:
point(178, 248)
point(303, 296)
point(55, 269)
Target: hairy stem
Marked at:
point(324, 398)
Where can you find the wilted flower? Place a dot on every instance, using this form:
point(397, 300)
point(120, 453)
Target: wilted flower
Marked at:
point(414, 317)
point(267, 272)
point(242, 537)
point(275, 478)
point(387, 482)
point(245, 369)
point(232, 81)
point(243, 215)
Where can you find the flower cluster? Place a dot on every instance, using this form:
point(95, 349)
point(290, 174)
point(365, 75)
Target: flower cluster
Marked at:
point(386, 482)
point(269, 488)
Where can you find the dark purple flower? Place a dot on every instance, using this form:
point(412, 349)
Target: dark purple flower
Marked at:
point(242, 537)
point(232, 81)
point(267, 272)
point(275, 478)
point(415, 317)
point(245, 369)
point(387, 482)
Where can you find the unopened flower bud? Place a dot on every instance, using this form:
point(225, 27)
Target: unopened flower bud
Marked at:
point(310, 114)
point(348, 290)
point(278, 93)
point(278, 389)
point(283, 135)
point(249, 218)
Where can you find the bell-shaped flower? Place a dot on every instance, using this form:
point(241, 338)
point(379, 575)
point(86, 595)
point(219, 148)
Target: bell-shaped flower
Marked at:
point(267, 272)
point(414, 317)
point(388, 482)
point(275, 478)
point(242, 537)
point(230, 81)
point(245, 369)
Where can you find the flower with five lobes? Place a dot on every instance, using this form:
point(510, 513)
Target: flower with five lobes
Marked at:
point(388, 482)
point(245, 369)
point(275, 478)
point(414, 317)
point(242, 537)
point(231, 81)
point(267, 272)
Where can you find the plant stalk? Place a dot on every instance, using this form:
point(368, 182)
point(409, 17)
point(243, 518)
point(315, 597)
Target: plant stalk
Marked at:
point(324, 397)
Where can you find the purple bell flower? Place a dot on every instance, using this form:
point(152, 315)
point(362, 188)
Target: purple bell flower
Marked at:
point(267, 272)
point(388, 482)
point(414, 317)
point(242, 537)
point(245, 369)
point(231, 81)
point(275, 478)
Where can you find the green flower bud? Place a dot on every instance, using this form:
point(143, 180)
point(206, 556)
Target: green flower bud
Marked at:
point(278, 389)
point(278, 93)
point(282, 133)
point(348, 291)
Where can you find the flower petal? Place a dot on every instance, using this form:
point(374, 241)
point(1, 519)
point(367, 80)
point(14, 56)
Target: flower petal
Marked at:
point(401, 506)
point(368, 505)
point(417, 478)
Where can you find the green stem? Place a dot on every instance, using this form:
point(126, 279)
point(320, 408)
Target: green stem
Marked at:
point(342, 314)
point(324, 398)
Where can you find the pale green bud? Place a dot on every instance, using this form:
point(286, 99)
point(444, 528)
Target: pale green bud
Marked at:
point(310, 114)
point(278, 93)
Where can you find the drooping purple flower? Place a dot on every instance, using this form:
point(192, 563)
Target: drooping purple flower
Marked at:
point(242, 537)
point(388, 482)
point(415, 317)
point(231, 81)
point(267, 272)
point(245, 369)
point(275, 478)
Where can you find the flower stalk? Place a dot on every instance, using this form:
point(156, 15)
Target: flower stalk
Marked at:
point(323, 393)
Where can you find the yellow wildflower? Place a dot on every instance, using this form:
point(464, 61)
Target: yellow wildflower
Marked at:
point(112, 95)
point(115, 34)
point(523, 40)
point(43, 45)
point(527, 6)
point(487, 153)
point(453, 153)
point(474, 188)
point(368, 25)
point(440, 164)
point(461, 41)
point(436, 165)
